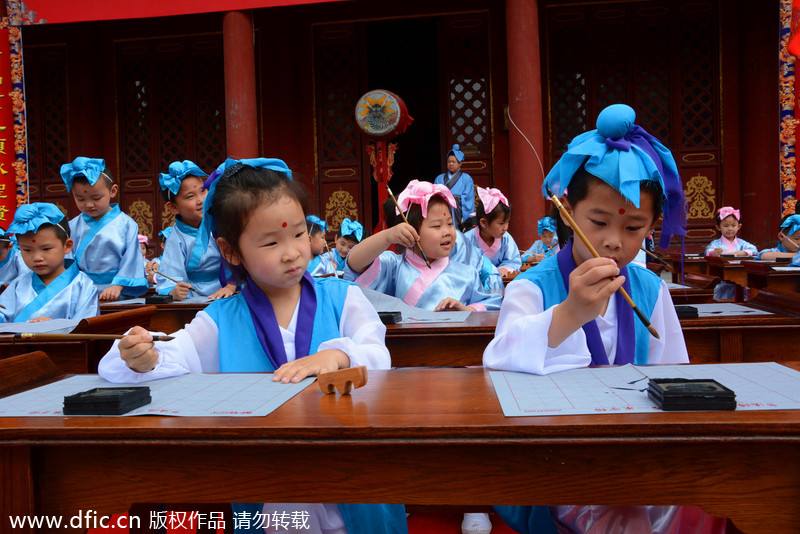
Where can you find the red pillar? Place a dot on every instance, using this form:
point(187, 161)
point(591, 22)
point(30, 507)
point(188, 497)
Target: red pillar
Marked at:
point(241, 111)
point(525, 108)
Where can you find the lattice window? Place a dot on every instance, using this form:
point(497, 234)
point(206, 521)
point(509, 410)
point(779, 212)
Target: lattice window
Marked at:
point(652, 82)
point(47, 105)
point(339, 90)
point(467, 67)
point(568, 91)
point(698, 112)
point(209, 112)
point(135, 112)
point(173, 128)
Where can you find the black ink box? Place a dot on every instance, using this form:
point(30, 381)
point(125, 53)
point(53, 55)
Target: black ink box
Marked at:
point(390, 317)
point(107, 401)
point(677, 394)
point(686, 311)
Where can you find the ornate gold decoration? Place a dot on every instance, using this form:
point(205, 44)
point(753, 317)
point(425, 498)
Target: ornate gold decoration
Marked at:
point(63, 209)
point(140, 212)
point(167, 217)
point(340, 205)
point(700, 197)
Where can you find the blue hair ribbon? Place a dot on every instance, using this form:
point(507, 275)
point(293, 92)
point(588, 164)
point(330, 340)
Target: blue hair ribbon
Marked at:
point(91, 168)
point(178, 170)
point(30, 217)
point(352, 228)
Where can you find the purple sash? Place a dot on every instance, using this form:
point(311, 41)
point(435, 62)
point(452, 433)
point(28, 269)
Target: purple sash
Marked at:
point(266, 325)
point(626, 333)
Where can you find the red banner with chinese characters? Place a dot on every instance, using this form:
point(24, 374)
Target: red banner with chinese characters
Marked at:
point(57, 11)
point(8, 176)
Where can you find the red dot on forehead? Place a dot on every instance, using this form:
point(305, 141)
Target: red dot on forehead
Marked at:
point(85, 191)
point(622, 211)
point(34, 241)
point(284, 224)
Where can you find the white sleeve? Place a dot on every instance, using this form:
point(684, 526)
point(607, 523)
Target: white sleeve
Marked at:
point(520, 339)
point(363, 333)
point(671, 347)
point(195, 349)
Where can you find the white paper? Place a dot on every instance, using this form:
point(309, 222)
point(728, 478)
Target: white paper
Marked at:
point(726, 309)
point(387, 303)
point(53, 326)
point(785, 269)
point(191, 395)
point(623, 389)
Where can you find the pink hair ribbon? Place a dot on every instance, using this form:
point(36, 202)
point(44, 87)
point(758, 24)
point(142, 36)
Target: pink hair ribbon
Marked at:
point(490, 198)
point(417, 192)
point(727, 211)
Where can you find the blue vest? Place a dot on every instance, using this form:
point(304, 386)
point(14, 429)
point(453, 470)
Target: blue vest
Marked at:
point(645, 289)
point(239, 348)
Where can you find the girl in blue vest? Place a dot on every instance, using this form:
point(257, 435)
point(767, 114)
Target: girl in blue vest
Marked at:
point(546, 245)
point(283, 321)
point(318, 265)
point(788, 240)
point(190, 255)
point(491, 235)
point(106, 242)
point(567, 313)
point(51, 287)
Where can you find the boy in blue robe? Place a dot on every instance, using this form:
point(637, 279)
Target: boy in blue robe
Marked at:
point(190, 254)
point(106, 240)
point(52, 288)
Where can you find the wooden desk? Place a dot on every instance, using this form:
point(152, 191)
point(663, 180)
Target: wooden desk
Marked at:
point(692, 264)
point(84, 355)
point(167, 318)
point(745, 338)
point(441, 344)
point(761, 275)
point(729, 270)
point(418, 434)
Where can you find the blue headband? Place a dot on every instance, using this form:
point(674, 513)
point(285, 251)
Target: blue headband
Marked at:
point(91, 168)
point(29, 217)
point(178, 170)
point(546, 223)
point(352, 228)
point(792, 224)
point(222, 173)
point(623, 155)
point(456, 151)
point(166, 232)
point(313, 219)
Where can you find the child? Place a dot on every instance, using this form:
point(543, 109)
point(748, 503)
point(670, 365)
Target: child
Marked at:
point(567, 313)
point(446, 285)
point(349, 235)
point(462, 188)
point(284, 320)
point(11, 262)
point(543, 247)
point(152, 266)
point(190, 256)
point(788, 237)
point(728, 225)
point(149, 266)
point(491, 235)
point(106, 247)
point(52, 288)
point(316, 235)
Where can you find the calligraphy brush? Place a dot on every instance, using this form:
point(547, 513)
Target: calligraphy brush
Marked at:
point(792, 241)
point(70, 337)
point(403, 215)
point(660, 260)
point(172, 279)
point(582, 236)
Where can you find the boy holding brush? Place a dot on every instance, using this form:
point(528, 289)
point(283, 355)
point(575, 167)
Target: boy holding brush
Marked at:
point(191, 260)
point(572, 310)
point(788, 237)
point(53, 288)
